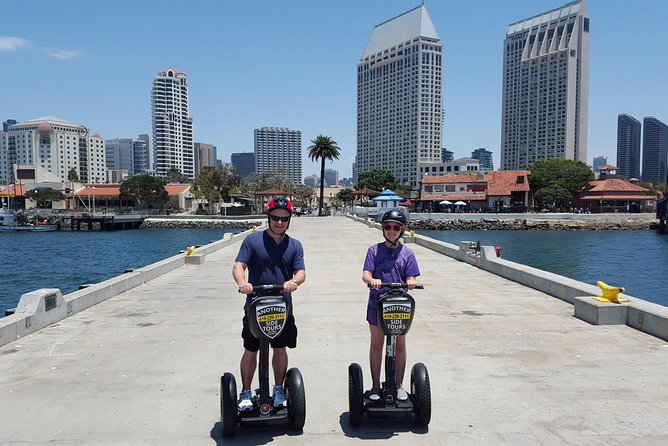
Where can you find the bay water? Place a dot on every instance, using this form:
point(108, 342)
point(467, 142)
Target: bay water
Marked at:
point(636, 260)
point(67, 259)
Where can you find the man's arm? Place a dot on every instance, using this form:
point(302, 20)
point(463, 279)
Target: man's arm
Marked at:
point(298, 278)
point(239, 275)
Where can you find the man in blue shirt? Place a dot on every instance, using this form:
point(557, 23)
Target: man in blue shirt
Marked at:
point(271, 257)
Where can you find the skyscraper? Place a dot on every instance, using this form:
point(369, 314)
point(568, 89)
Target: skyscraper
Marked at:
point(654, 151)
point(280, 150)
point(628, 146)
point(399, 97)
point(126, 154)
point(546, 88)
point(172, 125)
point(598, 162)
point(205, 155)
point(331, 177)
point(244, 163)
point(485, 157)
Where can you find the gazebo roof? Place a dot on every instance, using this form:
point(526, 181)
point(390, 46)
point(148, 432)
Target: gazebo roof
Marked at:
point(268, 192)
point(365, 191)
point(388, 195)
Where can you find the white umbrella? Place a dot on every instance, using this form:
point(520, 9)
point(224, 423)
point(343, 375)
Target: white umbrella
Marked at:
point(460, 203)
point(445, 202)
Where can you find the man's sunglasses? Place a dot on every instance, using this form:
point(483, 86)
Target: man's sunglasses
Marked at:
point(393, 227)
point(277, 218)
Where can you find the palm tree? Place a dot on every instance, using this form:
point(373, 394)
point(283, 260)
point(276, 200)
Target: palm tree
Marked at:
point(323, 148)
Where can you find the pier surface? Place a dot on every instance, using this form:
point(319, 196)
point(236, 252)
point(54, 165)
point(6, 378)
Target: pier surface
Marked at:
point(508, 364)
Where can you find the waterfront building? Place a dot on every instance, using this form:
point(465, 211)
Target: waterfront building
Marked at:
point(400, 98)
point(615, 195)
point(485, 157)
point(205, 155)
point(331, 177)
point(149, 153)
point(546, 88)
point(172, 124)
point(447, 155)
point(628, 146)
point(54, 145)
point(126, 154)
point(279, 149)
point(244, 164)
point(7, 123)
point(459, 166)
point(654, 151)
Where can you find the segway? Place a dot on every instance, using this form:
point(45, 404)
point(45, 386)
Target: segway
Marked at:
point(267, 315)
point(394, 312)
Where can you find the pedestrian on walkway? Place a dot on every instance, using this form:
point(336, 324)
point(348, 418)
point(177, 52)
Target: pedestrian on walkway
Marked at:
point(389, 261)
point(271, 257)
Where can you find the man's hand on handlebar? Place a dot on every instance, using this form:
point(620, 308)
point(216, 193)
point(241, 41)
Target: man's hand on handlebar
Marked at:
point(246, 288)
point(290, 286)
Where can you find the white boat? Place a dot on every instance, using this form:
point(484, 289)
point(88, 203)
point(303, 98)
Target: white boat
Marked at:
point(11, 221)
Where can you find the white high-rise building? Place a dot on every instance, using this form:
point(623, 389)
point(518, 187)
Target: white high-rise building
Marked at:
point(546, 88)
point(279, 150)
point(55, 145)
point(400, 97)
point(172, 125)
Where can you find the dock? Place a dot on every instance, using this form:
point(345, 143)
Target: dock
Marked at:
point(509, 364)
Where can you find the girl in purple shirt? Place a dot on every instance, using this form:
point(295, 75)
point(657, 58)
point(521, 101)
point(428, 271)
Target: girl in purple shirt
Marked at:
point(389, 261)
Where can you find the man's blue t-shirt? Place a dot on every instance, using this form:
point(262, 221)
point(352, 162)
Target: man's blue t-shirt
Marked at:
point(270, 263)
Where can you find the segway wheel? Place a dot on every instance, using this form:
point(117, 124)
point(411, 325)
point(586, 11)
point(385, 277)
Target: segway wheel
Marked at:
point(422, 393)
point(296, 396)
point(228, 404)
point(355, 394)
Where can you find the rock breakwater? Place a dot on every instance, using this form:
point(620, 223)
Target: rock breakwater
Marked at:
point(492, 224)
point(155, 223)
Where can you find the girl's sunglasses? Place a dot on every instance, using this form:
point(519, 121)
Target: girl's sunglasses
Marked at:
point(392, 227)
point(277, 218)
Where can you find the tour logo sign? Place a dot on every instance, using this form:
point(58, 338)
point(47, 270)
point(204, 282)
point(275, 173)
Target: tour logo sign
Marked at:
point(271, 318)
point(396, 317)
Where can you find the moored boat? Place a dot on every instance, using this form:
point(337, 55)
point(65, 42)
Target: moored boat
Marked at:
point(11, 221)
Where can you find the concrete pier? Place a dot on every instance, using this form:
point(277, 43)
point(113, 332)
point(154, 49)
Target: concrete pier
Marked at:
point(508, 364)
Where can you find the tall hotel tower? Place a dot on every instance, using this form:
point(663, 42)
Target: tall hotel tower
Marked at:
point(628, 147)
point(546, 88)
point(654, 151)
point(400, 97)
point(172, 127)
point(279, 149)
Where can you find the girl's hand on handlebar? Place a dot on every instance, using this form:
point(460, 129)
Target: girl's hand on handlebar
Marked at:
point(375, 283)
point(411, 282)
point(246, 288)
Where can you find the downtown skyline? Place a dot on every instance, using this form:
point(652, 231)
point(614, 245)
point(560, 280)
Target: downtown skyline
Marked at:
point(275, 68)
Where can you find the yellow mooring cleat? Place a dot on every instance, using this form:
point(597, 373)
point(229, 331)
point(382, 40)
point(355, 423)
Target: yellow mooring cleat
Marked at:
point(610, 293)
point(190, 250)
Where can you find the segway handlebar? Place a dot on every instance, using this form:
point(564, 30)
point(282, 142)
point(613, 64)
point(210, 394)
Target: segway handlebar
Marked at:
point(395, 285)
point(265, 288)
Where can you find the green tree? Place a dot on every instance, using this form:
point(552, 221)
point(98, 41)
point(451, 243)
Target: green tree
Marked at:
point(305, 194)
point(377, 179)
point(276, 179)
point(44, 197)
point(323, 148)
point(174, 175)
point(72, 175)
point(553, 197)
point(146, 191)
point(345, 196)
point(213, 184)
point(559, 175)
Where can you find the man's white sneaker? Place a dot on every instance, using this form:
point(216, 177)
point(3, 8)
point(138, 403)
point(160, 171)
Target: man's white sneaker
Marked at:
point(279, 397)
point(245, 403)
point(401, 394)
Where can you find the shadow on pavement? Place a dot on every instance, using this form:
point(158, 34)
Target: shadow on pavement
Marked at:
point(380, 428)
point(251, 436)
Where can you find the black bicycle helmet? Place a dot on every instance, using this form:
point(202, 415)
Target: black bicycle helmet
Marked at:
point(279, 203)
point(394, 215)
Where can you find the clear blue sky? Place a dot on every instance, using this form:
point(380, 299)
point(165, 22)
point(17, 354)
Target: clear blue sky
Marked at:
point(292, 63)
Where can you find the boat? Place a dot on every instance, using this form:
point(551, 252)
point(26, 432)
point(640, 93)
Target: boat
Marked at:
point(11, 221)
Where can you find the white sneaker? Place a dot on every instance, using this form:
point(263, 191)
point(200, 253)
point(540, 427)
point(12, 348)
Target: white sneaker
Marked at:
point(279, 397)
point(401, 394)
point(374, 394)
point(245, 403)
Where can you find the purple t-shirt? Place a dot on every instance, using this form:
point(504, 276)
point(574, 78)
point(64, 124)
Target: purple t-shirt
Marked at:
point(389, 265)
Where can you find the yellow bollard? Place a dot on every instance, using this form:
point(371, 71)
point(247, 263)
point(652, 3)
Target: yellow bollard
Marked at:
point(412, 233)
point(190, 250)
point(610, 293)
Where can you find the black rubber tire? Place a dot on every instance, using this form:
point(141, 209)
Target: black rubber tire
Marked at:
point(228, 404)
point(296, 396)
point(355, 394)
point(421, 391)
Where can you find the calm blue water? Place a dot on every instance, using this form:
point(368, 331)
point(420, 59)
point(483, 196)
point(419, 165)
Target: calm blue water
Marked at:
point(636, 260)
point(65, 259)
